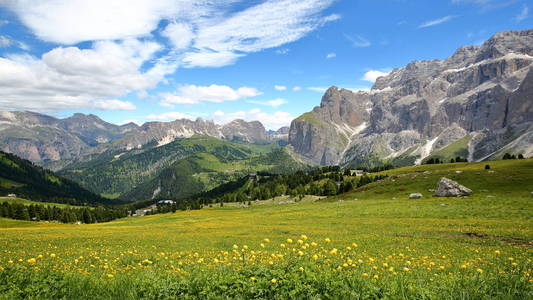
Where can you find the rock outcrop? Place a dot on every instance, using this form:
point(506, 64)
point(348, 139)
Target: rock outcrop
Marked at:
point(481, 96)
point(449, 188)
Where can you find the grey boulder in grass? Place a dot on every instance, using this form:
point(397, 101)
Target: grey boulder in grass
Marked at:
point(449, 188)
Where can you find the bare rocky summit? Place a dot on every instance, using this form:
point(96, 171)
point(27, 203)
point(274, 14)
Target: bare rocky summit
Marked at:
point(479, 101)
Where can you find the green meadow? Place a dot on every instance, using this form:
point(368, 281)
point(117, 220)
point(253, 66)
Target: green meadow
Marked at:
point(371, 243)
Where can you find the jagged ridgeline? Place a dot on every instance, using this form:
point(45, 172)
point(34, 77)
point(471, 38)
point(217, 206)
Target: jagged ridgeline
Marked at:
point(476, 104)
point(26, 180)
point(179, 169)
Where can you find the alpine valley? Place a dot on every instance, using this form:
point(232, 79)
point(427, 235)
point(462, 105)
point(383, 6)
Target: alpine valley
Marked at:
point(476, 104)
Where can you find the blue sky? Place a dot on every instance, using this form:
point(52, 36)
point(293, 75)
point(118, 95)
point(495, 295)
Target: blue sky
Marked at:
point(269, 60)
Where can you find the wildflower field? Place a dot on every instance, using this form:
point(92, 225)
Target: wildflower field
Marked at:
point(368, 244)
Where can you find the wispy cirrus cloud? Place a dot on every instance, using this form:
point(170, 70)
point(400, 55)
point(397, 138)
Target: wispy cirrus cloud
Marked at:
point(358, 41)
point(272, 103)
point(436, 22)
point(524, 14)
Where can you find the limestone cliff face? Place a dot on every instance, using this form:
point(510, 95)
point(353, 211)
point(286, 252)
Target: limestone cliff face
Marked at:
point(322, 136)
point(481, 93)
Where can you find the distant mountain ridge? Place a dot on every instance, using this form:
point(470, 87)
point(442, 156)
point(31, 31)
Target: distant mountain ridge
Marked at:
point(478, 104)
point(44, 139)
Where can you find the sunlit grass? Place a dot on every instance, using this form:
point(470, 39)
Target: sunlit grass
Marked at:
point(374, 247)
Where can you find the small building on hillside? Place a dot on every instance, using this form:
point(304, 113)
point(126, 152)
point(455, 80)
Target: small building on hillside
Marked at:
point(357, 172)
point(11, 195)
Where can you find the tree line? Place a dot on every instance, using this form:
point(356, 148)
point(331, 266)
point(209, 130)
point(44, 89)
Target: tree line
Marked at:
point(324, 181)
point(39, 212)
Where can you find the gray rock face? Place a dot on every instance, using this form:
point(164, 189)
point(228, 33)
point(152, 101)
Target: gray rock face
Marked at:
point(449, 188)
point(240, 130)
point(482, 93)
point(47, 140)
point(323, 135)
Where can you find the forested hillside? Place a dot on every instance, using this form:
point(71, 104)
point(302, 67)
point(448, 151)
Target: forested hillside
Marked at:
point(178, 169)
point(26, 180)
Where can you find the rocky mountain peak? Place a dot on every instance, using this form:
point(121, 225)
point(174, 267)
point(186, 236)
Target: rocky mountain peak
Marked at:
point(481, 96)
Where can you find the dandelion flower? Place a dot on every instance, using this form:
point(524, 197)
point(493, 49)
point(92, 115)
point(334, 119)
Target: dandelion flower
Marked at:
point(480, 271)
point(253, 278)
point(365, 275)
point(327, 240)
point(289, 241)
point(273, 280)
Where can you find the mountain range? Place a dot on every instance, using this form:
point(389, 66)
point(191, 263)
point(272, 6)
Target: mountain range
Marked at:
point(56, 142)
point(476, 104)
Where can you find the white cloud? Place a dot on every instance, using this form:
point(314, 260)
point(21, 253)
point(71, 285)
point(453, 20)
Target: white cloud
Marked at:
point(273, 103)
point(169, 116)
point(524, 14)
point(282, 51)
point(122, 59)
point(269, 24)
point(193, 94)
point(318, 89)
point(270, 121)
point(280, 88)
point(436, 21)
point(128, 121)
point(297, 88)
point(113, 104)
point(331, 55)
point(180, 34)
point(73, 21)
point(358, 41)
point(372, 75)
point(73, 78)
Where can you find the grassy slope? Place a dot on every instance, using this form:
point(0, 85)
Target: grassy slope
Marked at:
point(206, 170)
point(29, 202)
point(371, 218)
point(445, 231)
point(457, 148)
point(22, 177)
point(112, 175)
